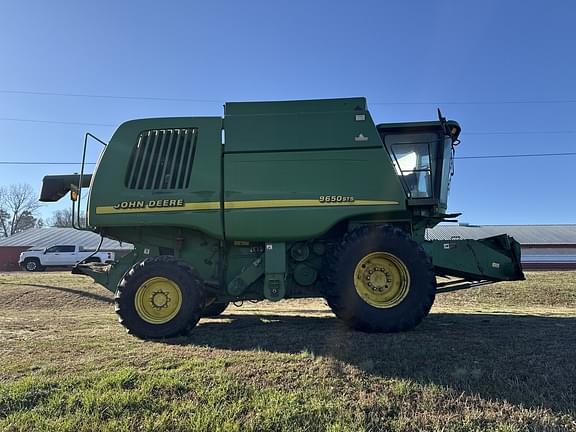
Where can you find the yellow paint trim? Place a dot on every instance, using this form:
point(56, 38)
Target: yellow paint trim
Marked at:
point(215, 205)
point(299, 203)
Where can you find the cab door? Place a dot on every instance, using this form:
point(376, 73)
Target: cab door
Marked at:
point(52, 256)
point(60, 255)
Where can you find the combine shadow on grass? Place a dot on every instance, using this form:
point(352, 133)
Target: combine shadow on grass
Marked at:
point(525, 360)
point(81, 293)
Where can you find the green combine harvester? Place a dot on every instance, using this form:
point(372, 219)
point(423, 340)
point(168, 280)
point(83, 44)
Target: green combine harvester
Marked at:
point(278, 200)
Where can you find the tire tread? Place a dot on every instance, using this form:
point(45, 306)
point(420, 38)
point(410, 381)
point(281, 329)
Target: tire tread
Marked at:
point(335, 296)
point(141, 266)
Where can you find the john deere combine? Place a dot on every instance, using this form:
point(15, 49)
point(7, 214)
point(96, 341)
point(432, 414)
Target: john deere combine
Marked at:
point(279, 200)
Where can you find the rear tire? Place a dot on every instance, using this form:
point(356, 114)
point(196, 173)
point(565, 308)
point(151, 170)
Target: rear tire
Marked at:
point(379, 280)
point(159, 297)
point(214, 309)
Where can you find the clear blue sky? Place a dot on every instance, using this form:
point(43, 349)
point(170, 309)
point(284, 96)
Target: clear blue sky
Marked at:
point(412, 51)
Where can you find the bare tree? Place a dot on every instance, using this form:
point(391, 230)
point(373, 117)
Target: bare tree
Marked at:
point(4, 215)
point(63, 218)
point(4, 222)
point(18, 206)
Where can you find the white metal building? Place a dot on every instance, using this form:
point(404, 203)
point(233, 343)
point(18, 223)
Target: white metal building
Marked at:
point(11, 247)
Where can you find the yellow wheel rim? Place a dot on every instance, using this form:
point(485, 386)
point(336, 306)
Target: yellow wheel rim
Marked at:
point(382, 280)
point(158, 300)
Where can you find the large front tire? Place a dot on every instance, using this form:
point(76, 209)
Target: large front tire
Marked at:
point(159, 297)
point(379, 280)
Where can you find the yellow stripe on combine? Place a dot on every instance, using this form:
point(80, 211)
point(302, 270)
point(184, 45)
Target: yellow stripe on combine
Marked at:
point(299, 203)
point(215, 205)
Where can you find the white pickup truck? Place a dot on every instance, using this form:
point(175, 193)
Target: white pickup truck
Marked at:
point(37, 259)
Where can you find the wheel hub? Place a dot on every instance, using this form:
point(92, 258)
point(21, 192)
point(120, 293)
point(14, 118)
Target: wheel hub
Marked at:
point(381, 279)
point(378, 279)
point(158, 300)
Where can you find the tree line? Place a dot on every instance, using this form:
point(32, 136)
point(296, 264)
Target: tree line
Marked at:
point(19, 208)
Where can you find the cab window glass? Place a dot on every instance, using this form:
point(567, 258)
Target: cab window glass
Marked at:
point(412, 161)
point(61, 248)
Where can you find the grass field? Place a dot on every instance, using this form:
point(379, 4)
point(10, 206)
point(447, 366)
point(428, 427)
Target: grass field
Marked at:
point(500, 357)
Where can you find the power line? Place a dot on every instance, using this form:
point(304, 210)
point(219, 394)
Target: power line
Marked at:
point(42, 163)
point(494, 102)
point(120, 97)
point(71, 123)
point(67, 123)
point(187, 99)
point(516, 155)
point(457, 157)
point(547, 132)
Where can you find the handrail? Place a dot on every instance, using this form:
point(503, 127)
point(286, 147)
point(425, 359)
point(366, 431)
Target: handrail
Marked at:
point(76, 220)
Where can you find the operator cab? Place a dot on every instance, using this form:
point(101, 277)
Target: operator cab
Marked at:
point(423, 157)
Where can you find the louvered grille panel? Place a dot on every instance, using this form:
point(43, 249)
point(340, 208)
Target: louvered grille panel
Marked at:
point(162, 159)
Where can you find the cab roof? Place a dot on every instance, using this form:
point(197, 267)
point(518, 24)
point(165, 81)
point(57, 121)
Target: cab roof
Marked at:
point(453, 126)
